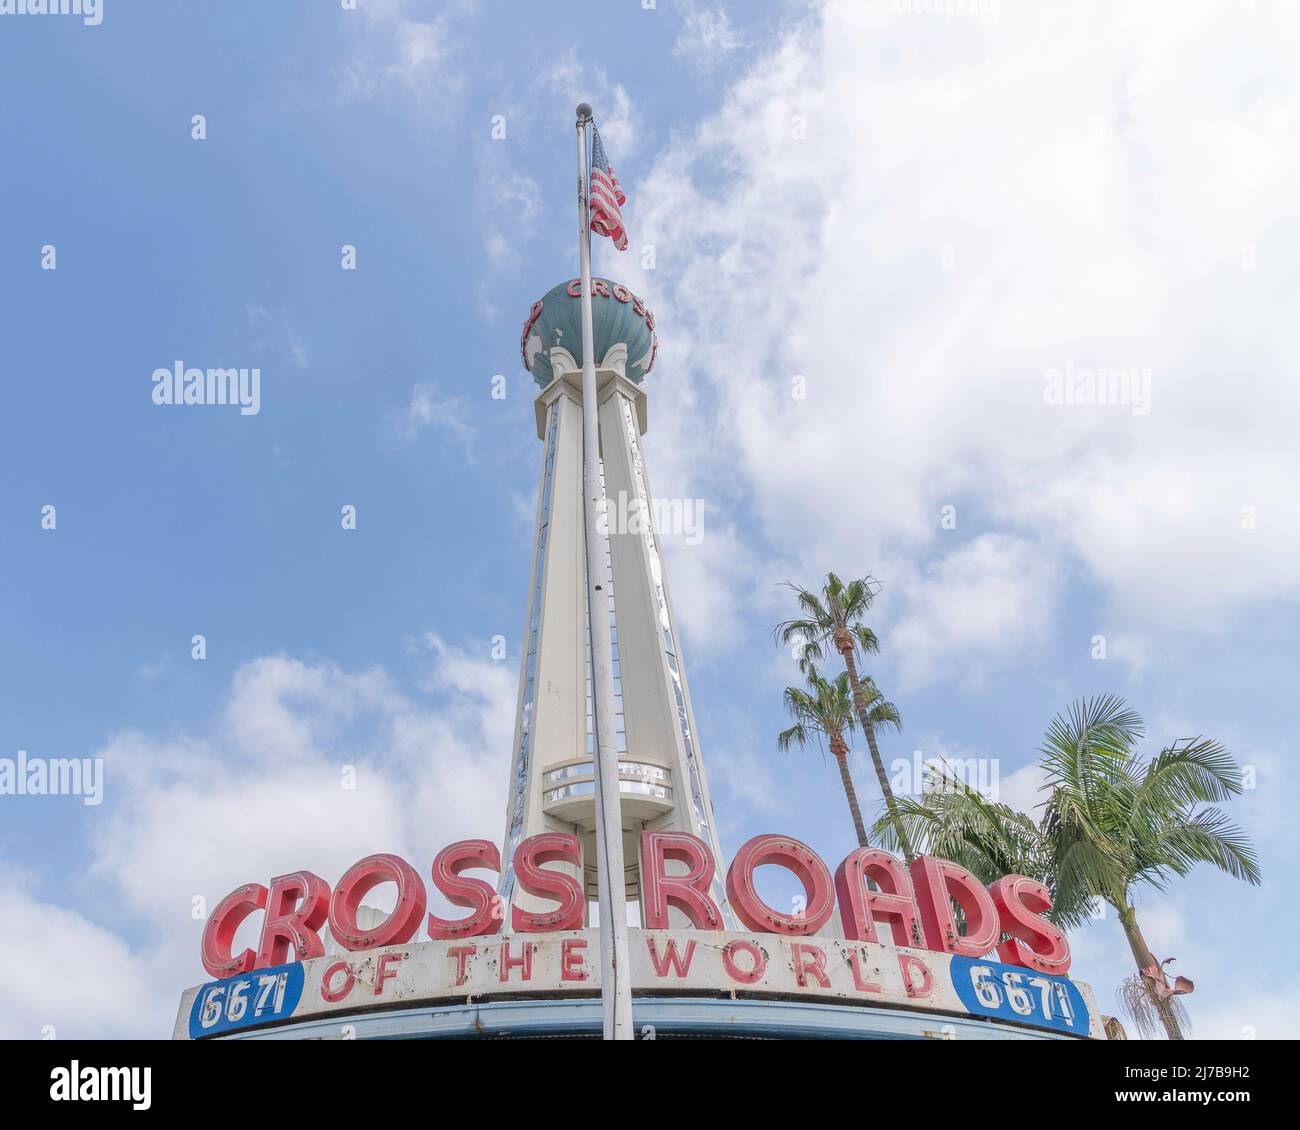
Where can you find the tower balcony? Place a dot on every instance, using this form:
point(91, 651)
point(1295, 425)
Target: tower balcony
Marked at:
point(569, 790)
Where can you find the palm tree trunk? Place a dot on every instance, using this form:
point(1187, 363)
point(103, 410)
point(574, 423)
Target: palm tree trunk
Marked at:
point(852, 794)
point(1145, 960)
point(859, 703)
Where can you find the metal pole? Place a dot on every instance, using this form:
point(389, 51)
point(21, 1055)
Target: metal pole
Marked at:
point(615, 983)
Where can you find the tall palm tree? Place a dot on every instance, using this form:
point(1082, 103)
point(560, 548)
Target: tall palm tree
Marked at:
point(1112, 821)
point(826, 711)
point(833, 619)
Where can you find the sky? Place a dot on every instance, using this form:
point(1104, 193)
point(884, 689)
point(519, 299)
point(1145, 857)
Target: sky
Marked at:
point(876, 237)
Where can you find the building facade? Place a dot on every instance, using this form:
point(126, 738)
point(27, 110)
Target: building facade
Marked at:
point(714, 959)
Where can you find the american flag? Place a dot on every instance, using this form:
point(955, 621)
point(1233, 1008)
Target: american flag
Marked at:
point(605, 196)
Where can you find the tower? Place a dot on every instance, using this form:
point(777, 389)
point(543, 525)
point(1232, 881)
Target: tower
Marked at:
point(662, 785)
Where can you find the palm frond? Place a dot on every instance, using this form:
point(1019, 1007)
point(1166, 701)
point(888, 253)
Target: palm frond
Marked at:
point(1207, 836)
point(1191, 771)
point(1094, 740)
point(823, 710)
point(990, 839)
point(796, 734)
point(881, 713)
point(866, 639)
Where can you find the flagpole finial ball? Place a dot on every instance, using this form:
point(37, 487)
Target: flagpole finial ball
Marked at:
point(584, 111)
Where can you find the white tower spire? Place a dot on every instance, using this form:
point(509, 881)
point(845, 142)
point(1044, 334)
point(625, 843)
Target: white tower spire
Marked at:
point(662, 784)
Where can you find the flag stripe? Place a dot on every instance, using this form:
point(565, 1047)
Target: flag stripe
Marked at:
point(605, 195)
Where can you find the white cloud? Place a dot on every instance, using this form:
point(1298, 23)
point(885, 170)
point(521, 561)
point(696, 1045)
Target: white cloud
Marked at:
point(148, 672)
point(260, 318)
point(748, 779)
point(512, 195)
point(979, 606)
point(401, 45)
point(616, 116)
point(707, 582)
point(196, 815)
point(706, 34)
point(510, 202)
point(60, 971)
point(922, 216)
point(1269, 1013)
point(1021, 789)
point(298, 350)
point(450, 414)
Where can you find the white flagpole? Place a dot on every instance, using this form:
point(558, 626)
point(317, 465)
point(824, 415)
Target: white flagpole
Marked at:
point(615, 967)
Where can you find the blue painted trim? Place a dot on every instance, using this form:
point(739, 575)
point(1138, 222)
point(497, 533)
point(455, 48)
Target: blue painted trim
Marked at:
point(696, 1016)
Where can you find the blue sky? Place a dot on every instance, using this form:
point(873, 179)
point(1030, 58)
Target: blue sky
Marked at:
point(917, 215)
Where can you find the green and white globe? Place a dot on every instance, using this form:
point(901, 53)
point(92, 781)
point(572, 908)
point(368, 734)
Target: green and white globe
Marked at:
point(618, 317)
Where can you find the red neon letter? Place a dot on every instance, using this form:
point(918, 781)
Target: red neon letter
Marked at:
point(1034, 943)
point(809, 959)
point(572, 958)
point(335, 995)
point(479, 896)
point(357, 882)
point(460, 954)
point(937, 883)
point(219, 933)
point(383, 973)
point(860, 907)
point(807, 867)
point(758, 962)
point(524, 961)
point(296, 907)
point(671, 960)
point(549, 847)
point(689, 893)
point(907, 965)
point(860, 982)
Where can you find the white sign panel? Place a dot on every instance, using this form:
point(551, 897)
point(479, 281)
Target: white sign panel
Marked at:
point(663, 961)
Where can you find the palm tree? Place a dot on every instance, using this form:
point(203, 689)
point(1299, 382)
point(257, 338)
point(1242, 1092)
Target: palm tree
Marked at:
point(825, 711)
point(1115, 821)
point(1111, 822)
point(834, 619)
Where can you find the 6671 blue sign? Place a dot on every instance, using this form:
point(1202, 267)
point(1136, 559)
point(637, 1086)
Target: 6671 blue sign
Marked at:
point(1010, 992)
point(251, 998)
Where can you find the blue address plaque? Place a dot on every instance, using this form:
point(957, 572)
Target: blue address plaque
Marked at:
point(251, 998)
point(1022, 996)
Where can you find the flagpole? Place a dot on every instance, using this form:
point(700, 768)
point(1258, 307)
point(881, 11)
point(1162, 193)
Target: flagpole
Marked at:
point(615, 967)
